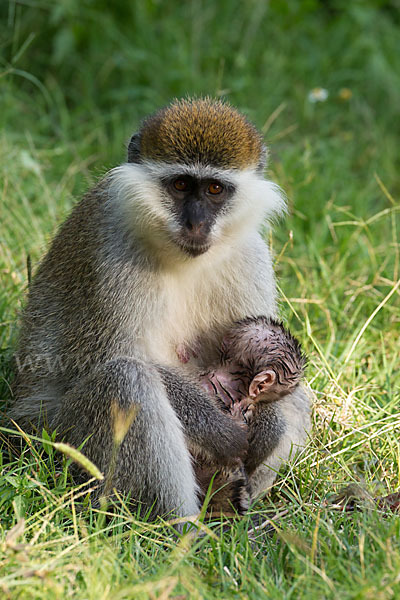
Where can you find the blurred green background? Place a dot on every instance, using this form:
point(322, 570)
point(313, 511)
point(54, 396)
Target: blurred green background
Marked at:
point(79, 66)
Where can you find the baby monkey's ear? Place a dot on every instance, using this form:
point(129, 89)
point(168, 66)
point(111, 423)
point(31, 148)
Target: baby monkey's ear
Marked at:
point(261, 383)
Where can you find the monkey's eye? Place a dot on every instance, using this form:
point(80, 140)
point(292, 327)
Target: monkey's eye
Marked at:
point(215, 188)
point(181, 185)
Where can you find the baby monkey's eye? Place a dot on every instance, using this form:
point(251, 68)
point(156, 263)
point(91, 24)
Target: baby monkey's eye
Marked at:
point(215, 188)
point(180, 184)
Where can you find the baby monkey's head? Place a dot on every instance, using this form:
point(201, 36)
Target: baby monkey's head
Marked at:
point(270, 355)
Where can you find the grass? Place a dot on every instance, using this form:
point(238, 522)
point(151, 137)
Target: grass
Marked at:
point(69, 100)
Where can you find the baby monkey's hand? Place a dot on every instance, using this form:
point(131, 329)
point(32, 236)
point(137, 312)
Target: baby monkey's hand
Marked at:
point(240, 412)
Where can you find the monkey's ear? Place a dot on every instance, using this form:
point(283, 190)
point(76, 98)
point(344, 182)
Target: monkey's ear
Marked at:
point(134, 149)
point(262, 163)
point(261, 383)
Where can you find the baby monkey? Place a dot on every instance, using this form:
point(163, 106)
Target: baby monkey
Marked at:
point(260, 362)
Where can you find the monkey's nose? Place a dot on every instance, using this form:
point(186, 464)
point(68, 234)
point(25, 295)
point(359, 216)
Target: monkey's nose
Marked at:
point(196, 229)
point(195, 219)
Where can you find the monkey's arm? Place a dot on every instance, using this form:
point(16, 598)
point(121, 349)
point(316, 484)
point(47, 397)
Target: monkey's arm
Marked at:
point(209, 430)
point(266, 428)
point(277, 432)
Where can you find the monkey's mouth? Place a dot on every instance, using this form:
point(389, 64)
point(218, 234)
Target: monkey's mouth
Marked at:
point(193, 248)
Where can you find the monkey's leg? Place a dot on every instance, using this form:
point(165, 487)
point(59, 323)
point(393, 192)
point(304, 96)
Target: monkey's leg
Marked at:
point(277, 432)
point(216, 440)
point(153, 462)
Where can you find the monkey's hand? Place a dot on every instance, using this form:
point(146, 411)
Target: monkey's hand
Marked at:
point(239, 413)
point(249, 411)
point(210, 431)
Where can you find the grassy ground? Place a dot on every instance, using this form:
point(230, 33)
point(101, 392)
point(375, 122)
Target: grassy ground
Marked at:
point(75, 79)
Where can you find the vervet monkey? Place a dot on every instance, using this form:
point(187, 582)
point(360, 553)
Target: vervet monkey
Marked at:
point(260, 362)
point(164, 251)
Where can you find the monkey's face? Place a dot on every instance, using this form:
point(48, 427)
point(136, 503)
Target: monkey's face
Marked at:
point(194, 181)
point(185, 210)
point(196, 203)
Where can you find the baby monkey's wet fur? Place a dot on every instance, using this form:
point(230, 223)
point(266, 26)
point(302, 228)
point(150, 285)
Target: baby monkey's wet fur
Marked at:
point(255, 349)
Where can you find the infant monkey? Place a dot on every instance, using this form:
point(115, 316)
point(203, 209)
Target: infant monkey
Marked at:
point(260, 363)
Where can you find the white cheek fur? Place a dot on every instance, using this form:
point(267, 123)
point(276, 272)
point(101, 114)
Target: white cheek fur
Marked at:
point(142, 207)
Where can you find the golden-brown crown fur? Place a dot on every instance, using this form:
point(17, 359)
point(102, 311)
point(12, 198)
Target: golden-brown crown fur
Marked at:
point(201, 131)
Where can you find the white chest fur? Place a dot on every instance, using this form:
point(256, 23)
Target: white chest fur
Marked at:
point(201, 297)
point(188, 304)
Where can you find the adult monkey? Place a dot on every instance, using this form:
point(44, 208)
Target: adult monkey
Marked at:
point(163, 253)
